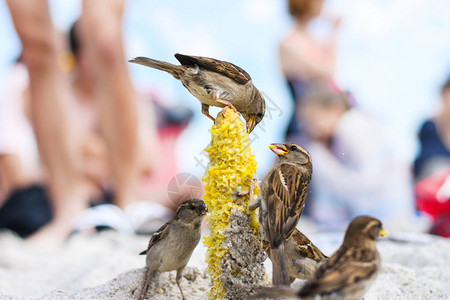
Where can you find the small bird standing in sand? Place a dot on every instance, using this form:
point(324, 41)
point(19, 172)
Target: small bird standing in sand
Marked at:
point(303, 258)
point(215, 82)
point(348, 273)
point(171, 246)
point(283, 194)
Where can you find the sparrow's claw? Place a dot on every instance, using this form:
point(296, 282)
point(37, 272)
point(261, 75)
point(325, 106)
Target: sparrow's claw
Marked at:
point(252, 188)
point(217, 96)
point(205, 111)
point(250, 191)
point(229, 105)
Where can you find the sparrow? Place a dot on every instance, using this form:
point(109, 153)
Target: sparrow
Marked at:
point(302, 256)
point(282, 199)
point(171, 246)
point(215, 83)
point(348, 273)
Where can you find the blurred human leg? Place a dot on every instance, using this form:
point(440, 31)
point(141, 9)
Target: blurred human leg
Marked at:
point(101, 25)
point(51, 99)
point(11, 175)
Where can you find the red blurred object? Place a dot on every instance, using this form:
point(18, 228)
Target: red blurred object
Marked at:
point(433, 198)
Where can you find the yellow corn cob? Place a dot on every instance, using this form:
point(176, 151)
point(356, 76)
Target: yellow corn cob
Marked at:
point(232, 166)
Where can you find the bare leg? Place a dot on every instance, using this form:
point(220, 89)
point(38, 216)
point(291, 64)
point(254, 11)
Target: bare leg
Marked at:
point(11, 175)
point(101, 25)
point(58, 142)
point(205, 111)
point(178, 279)
point(147, 280)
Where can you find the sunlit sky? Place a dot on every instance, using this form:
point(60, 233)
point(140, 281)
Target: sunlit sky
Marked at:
point(393, 55)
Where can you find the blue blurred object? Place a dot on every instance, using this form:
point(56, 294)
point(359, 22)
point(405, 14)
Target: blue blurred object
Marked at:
point(431, 148)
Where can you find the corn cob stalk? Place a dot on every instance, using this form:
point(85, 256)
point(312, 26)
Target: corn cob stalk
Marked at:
point(235, 257)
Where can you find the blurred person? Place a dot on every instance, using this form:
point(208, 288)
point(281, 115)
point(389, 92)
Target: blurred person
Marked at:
point(158, 128)
point(20, 168)
point(59, 140)
point(355, 170)
point(434, 139)
point(18, 147)
point(304, 57)
point(95, 152)
point(432, 167)
point(101, 27)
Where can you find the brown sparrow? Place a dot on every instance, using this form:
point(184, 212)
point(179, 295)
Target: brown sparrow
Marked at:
point(348, 273)
point(283, 195)
point(171, 246)
point(302, 256)
point(216, 83)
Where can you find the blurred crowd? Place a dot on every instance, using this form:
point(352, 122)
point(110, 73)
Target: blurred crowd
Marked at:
point(82, 149)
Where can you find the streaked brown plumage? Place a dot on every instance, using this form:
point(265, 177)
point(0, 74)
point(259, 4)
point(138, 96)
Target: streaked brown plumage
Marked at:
point(348, 273)
point(215, 82)
point(283, 194)
point(302, 256)
point(171, 246)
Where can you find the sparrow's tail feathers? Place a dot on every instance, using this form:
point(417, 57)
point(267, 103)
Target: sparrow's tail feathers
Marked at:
point(279, 270)
point(275, 292)
point(159, 65)
point(148, 278)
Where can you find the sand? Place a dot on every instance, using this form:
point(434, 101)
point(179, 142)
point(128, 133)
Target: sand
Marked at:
point(106, 266)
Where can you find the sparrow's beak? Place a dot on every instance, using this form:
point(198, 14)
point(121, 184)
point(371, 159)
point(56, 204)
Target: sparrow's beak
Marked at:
point(204, 211)
point(279, 149)
point(251, 123)
point(383, 232)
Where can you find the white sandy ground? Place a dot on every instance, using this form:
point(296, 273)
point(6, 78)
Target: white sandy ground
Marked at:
point(106, 266)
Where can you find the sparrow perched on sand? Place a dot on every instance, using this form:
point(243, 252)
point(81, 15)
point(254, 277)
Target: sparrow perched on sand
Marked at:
point(171, 246)
point(282, 199)
point(348, 273)
point(216, 83)
point(302, 256)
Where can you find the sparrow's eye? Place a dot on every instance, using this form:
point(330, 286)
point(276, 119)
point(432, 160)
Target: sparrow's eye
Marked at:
point(293, 148)
point(259, 115)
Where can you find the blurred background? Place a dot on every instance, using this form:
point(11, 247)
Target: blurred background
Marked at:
point(393, 56)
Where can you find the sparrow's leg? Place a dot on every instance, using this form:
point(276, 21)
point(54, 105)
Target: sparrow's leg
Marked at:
point(178, 278)
point(266, 246)
point(250, 191)
point(216, 95)
point(254, 205)
point(304, 268)
point(227, 106)
point(205, 111)
point(148, 278)
point(279, 269)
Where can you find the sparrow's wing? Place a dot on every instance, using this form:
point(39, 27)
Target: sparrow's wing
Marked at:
point(346, 267)
point(157, 236)
point(222, 67)
point(306, 248)
point(286, 198)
